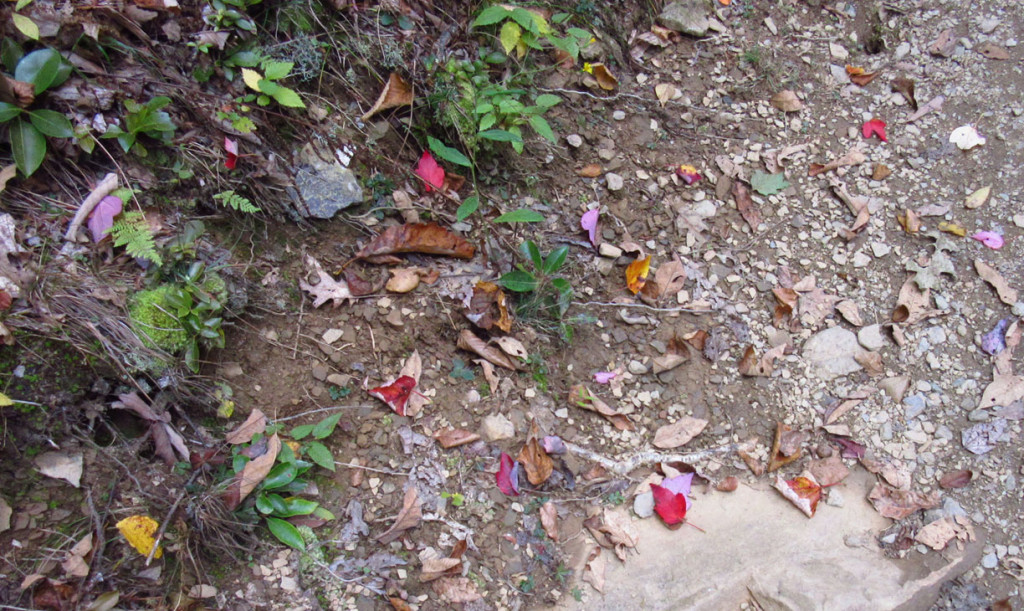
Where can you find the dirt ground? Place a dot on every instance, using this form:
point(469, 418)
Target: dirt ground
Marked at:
point(908, 399)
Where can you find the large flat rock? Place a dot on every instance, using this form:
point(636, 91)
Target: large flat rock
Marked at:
point(759, 547)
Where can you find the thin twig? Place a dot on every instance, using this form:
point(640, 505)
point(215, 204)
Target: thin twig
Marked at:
point(384, 471)
point(625, 464)
point(607, 304)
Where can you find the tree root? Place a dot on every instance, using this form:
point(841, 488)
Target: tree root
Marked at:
point(623, 465)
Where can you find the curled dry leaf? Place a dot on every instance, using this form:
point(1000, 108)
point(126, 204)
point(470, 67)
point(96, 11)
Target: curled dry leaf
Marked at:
point(944, 45)
point(256, 469)
point(909, 221)
point(929, 106)
point(328, 289)
point(403, 280)
point(535, 461)
point(453, 438)
point(397, 92)
point(665, 92)
point(860, 77)
point(471, 343)
point(1007, 294)
point(852, 157)
point(426, 238)
point(745, 204)
point(413, 368)
point(512, 347)
point(255, 423)
point(786, 101)
point(488, 307)
point(751, 365)
point(580, 396)
point(614, 530)
point(912, 304)
point(604, 77)
point(456, 590)
point(956, 479)
point(803, 491)
point(549, 520)
point(678, 433)
point(409, 516)
point(594, 571)
point(899, 504)
point(507, 476)
point(786, 446)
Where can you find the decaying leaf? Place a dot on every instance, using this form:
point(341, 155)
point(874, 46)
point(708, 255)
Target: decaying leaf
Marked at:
point(426, 238)
point(956, 479)
point(1004, 390)
point(930, 277)
point(912, 304)
point(859, 206)
point(899, 504)
point(408, 517)
point(403, 280)
point(507, 476)
point(549, 520)
point(786, 101)
point(880, 172)
point(751, 365)
point(456, 590)
point(786, 447)
point(535, 461)
point(255, 423)
point(604, 77)
point(453, 438)
point(992, 51)
point(328, 289)
point(488, 307)
point(745, 204)
point(61, 465)
point(860, 77)
point(74, 563)
point(594, 570)
point(256, 469)
point(471, 343)
point(945, 44)
point(853, 157)
point(1007, 294)
point(977, 199)
point(828, 471)
point(665, 92)
point(668, 280)
point(678, 433)
point(512, 347)
point(930, 106)
point(580, 396)
point(803, 491)
point(139, 531)
point(614, 530)
point(397, 92)
point(591, 170)
point(636, 274)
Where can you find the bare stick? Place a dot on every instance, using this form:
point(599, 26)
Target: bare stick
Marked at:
point(108, 184)
point(625, 464)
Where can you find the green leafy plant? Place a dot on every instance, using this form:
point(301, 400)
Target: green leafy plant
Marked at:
point(551, 295)
point(268, 88)
point(28, 129)
point(25, 25)
point(456, 498)
point(523, 29)
point(143, 120)
point(229, 14)
point(240, 203)
point(132, 231)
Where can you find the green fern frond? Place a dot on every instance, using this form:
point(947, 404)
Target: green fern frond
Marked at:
point(230, 199)
point(133, 232)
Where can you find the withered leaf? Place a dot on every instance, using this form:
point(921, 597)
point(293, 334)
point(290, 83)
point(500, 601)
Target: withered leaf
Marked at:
point(905, 87)
point(255, 423)
point(426, 238)
point(453, 438)
point(956, 479)
point(397, 92)
point(1007, 294)
point(678, 433)
point(456, 590)
point(604, 77)
point(786, 446)
point(745, 204)
point(591, 170)
point(852, 157)
point(328, 289)
point(256, 469)
point(898, 504)
point(536, 462)
point(751, 365)
point(786, 101)
point(880, 172)
point(828, 471)
point(580, 396)
point(488, 307)
point(408, 517)
point(944, 45)
point(549, 520)
point(992, 51)
point(469, 342)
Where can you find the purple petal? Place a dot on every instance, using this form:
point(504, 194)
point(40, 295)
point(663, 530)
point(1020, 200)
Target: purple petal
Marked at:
point(553, 444)
point(989, 238)
point(994, 341)
point(680, 484)
point(589, 222)
point(603, 377)
point(102, 216)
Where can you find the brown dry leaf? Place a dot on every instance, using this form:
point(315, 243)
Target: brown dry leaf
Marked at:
point(669, 278)
point(456, 590)
point(698, 339)
point(1004, 390)
point(859, 206)
point(427, 238)
point(549, 520)
point(536, 462)
point(828, 471)
point(403, 280)
point(909, 221)
point(912, 304)
point(944, 45)
point(397, 604)
point(850, 312)
point(956, 479)
point(898, 504)
point(256, 469)
point(435, 568)
point(328, 289)
point(859, 77)
point(751, 365)
point(678, 433)
point(852, 157)
point(665, 92)
point(74, 563)
point(489, 375)
point(775, 160)
point(488, 307)
point(469, 342)
point(403, 201)
point(6, 174)
point(871, 362)
point(669, 361)
point(745, 204)
point(937, 534)
point(1007, 294)
point(413, 368)
point(512, 347)
point(595, 568)
point(408, 517)
point(992, 51)
point(255, 423)
point(581, 397)
point(881, 172)
point(591, 170)
point(752, 463)
point(815, 306)
point(905, 87)
point(786, 446)
point(729, 484)
point(786, 101)
point(397, 92)
point(977, 199)
point(613, 530)
point(453, 438)
point(930, 106)
point(605, 79)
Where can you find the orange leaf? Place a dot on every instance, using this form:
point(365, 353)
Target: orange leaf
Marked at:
point(397, 92)
point(636, 274)
point(605, 79)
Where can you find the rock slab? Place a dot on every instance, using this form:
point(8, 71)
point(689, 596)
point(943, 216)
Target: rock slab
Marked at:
point(686, 16)
point(328, 189)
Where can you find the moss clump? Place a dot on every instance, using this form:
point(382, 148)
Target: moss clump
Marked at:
point(155, 321)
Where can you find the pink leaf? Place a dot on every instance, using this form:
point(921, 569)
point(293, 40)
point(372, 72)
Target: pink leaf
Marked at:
point(604, 377)
point(989, 238)
point(589, 222)
point(431, 173)
point(231, 146)
point(508, 476)
point(102, 216)
point(874, 127)
point(670, 506)
point(396, 394)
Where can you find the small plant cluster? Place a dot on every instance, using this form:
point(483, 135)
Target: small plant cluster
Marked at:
point(28, 129)
point(549, 295)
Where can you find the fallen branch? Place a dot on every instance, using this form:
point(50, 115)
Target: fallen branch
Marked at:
point(108, 184)
point(625, 464)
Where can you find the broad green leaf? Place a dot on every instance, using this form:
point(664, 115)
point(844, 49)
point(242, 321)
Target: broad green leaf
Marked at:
point(263, 504)
point(244, 59)
point(8, 111)
point(499, 135)
point(579, 33)
point(28, 146)
point(768, 184)
point(467, 207)
point(511, 107)
point(487, 121)
point(518, 281)
point(560, 18)
point(319, 454)
point(541, 126)
point(517, 146)
point(555, 259)
point(11, 53)
point(281, 475)
point(531, 252)
point(490, 16)
point(51, 123)
point(529, 21)
point(510, 36)
point(277, 70)
point(158, 102)
point(41, 68)
point(323, 514)
point(302, 431)
point(22, 4)
point(268, 86)
point(484, 108)
point(564, 294)
point(26, 26)
point(547, 100)
point(522, 215)
point(286, 533)
point(326, 426)
point(288, 97)
point(448, 153)
point(294, 506)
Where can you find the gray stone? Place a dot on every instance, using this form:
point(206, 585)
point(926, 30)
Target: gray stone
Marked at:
point(637, 368)
point(328, 189)
point(895, 387)
point(339, 379)
point(497, 427)
point(831, 353)
point(871, 337)
point(686, 16)
point(915, 405)
point(574, 140)
point(643, 504)
point(615, 181)
point(320, 372)
point(990, 561)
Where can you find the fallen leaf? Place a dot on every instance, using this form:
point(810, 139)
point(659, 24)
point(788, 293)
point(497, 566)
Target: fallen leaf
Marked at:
point(849, 448)
point(668, 362)
point(427, 238)
point(850, 312)
point(745, 204)
point(594, 570)
point(729, 484)
point(535, 461)
point(139, 531)
point(989, 238)
point(408, 517)
point(605, 79)
point(101, 219)
point(512, 347)
point(992, 51)
point(966, 137)
point(859, 77)
point(871, 362)
point(670, 500)
point(909, 221)
point(899, 504)
point(549, 520)
point(456, 590)
point(976, 199)
point(668, 280)
point(469, 342)
point(874, 127)
point(488, 307)
point(665, 92)
point(751, 365)
point(74, 563)
point(952, 228)
point(231, 147)
point(507, 477)
point(453, 438)
point(956, 479)
point(256, 469)
point(589, 224)
point(937, 534)
point(828, 471)
point(983, 438)
point(395, 394)
point(614, 530)
point(678, 433)
point(933, 210)
point(636, 274)
point(397, 92)
point(255, 423)
point(786, 446)
point(403, 280)
point(852, 157)
point(688, 173)
point(430, 171)
point(591, 170)
point(768, 184)
point(930, 106)
point(7, 173)
point(881, 172)
point(581, 397)
point(912, 304)
point(61, 465)
point(1007, 294)
point(803, 491)
point(5, 515)
point(328, 289)
point(944, 45)
point(786, 101)
point(435, 568)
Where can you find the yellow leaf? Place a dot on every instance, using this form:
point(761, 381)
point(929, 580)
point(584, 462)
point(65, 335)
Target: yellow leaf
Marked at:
point(26, 26)
point(252, 78)
point(952, 228)
point(976, 199)
point(139, 531)
point(5, 400)
point(636, 274)
point(510, 35)
point(605, 79)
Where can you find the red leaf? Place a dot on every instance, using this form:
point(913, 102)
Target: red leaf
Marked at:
point(395, 394)
point(431, 173)
point(874, 127)
point(102, 216)
point(688, 173)
point(671, 506)
point(508, 476)
point(803, 491)
point(231, 146)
